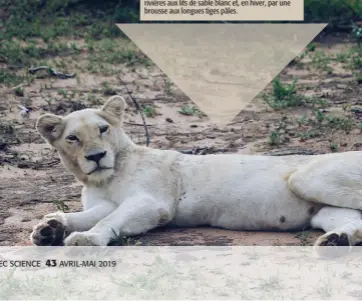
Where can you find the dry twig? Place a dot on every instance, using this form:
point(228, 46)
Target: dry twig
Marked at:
point(138, 109)
point(51, 71)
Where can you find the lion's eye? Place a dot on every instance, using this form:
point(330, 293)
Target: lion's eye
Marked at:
point(103, 129)
point(72, 138)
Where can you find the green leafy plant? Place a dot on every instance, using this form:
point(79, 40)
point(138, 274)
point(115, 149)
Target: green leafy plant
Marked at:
point(149, 110)
point(283, 95)
point(186, 110)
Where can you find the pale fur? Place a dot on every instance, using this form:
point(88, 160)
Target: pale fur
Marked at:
point(148, 187)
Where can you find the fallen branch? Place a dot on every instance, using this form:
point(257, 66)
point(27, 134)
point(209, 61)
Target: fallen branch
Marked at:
point(42, 165)
point(138, 109)
point(51, 71)
point(290, 152)
point(20, 86)
point(236, 122)
point(137, 124)
point(202, 151)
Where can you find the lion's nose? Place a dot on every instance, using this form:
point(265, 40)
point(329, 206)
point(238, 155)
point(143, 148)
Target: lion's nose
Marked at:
point(96, 157)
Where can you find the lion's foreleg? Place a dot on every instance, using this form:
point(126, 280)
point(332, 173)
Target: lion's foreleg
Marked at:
point(52, 229)
point(134, 216)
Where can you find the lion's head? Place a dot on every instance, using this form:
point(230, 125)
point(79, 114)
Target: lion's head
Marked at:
point(88, 141)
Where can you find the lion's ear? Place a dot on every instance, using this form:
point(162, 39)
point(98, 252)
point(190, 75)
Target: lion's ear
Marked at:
point(50, 127)
point(115, 106)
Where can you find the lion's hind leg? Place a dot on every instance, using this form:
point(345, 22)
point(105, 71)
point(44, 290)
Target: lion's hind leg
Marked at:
point(343, 226)
point(332, 180)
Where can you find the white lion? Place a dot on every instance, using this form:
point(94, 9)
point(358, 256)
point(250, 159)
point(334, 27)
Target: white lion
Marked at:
point(130, 189)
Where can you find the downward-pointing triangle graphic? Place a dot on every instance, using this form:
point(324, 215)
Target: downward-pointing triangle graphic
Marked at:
point(221, 67)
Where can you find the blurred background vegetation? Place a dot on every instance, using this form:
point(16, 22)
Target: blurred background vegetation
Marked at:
point(96, 18)
point(31, 31)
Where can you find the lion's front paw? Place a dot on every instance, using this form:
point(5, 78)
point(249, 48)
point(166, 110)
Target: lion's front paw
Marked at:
point(49, 232)
point(81, 239)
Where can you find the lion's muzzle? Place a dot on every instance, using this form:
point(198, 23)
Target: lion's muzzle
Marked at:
point(96, 156)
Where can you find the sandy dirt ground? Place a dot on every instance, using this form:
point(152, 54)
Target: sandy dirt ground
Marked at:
point(33, 182)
